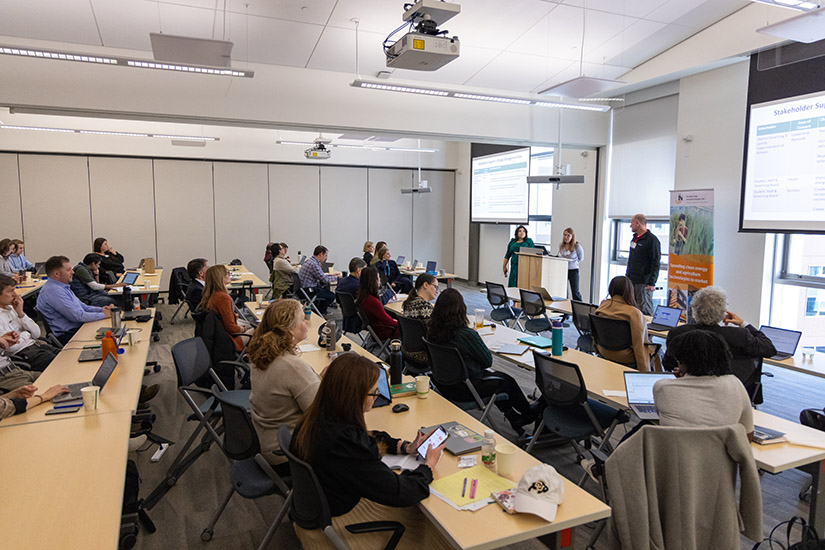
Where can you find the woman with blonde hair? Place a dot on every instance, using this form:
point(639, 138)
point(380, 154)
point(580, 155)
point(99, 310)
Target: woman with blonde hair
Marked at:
point(380, 247)
point(216, 298)
point(283, 386)
point(369, 249)
point(572, 251)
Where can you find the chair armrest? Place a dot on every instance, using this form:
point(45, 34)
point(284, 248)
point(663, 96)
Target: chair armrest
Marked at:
point(379, 526)
point(241, 367)
point(656, 348)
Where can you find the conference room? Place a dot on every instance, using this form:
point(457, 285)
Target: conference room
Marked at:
point(173, 165)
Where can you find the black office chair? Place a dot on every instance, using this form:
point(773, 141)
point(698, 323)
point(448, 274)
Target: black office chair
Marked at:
point(180, 284)
point(250, 474)
point(749, 371)
point(448, 369)
point(372, 342)
point(349, 313)
point(500, 302)
point(581, 320)
point(568, 413)
point(241, 293)
point(299, 293)
point(310, 509)
point(532, 306)
point(615, 335)
point(193, 364)
point(50, 337)
point(413, 332)
point(227, 362)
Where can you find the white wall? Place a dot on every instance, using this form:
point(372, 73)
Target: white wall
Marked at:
point(712, 109)
point(462, 212)
point(11, 222)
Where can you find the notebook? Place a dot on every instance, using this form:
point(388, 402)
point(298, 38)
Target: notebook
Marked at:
point(639, 389)
point(784, 340)
point(130, 277)
point(665, 318)
point(116, 332)
point(537, 341)
point(462, 439)
point(101, 377)
point(765, 436)
point(96, 354)
point(513, 349)
point(39, 268)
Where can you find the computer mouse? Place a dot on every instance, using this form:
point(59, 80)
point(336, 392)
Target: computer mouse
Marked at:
point(401, 407)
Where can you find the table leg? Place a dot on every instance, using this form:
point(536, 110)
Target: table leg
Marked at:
point(449, 283)
point(816, 515)
point(558, 541)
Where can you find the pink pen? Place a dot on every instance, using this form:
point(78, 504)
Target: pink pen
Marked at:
point(473, 488)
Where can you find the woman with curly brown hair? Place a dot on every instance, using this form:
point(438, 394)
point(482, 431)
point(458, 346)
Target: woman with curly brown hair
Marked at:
point(283, 386)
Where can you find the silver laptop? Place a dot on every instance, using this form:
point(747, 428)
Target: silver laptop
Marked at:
point(665, 318)
point(101, 377)
point(546, 296)
point(414, 265)
point(784, 340)
point(400, 260)
point(96, 354)
point(639, 389)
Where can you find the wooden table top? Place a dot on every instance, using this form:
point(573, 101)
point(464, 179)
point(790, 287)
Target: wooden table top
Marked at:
point(243, 274)
point(419, 271)
point(140, 286)
point(30, 286)
point(63, 482)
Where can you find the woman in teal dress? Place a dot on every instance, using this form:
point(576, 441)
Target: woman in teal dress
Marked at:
point(519, 240)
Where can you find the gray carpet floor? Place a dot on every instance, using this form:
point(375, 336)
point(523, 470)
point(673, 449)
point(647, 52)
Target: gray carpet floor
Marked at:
point(182, 514)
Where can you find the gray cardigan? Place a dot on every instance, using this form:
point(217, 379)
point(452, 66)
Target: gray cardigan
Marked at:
point(675, 488)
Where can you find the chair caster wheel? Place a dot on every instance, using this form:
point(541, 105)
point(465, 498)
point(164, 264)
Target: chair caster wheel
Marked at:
point(155, 338)
point(206, 536)
point(157, 368)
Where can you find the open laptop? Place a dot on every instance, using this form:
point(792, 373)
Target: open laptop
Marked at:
point(39, 268)
point(327, 266)
point(400, 260)
point(303, 259)
point(665, 318)
point(96, 354)
point(546, 296)
point(130, 277)
point(639, 389)
point(431, 268)
point(385, 397)
point(116, 332)
point(101, 377)
point(414, 265)
point(784, 340)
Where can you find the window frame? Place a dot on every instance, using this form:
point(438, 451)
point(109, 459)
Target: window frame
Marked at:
point(786, 277)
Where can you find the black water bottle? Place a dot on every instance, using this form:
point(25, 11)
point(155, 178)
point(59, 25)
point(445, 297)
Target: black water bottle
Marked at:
point(396, 362)
point(127, 298)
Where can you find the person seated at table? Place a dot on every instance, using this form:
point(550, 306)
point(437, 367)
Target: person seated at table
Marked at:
point(37, 353)
point(350, 283)
point(401, 284)
point(333, 438)
point(704, 392)
point(196, 269)
point(418, 304)
point(58, 305)
point(622, 305)
point(21, 399)
point(18, 260)
point(369, 250)
point(315, 282)
point(110, 259)
point(87, 286)
point(379, 246)
point(282, 271)
point(285, 252)
point(6, 251)
point(283, 385)
point(11, 375)
point(448, 325)
point(709, 308)
point(215, 298)
point(368, 298)
point(269, 255)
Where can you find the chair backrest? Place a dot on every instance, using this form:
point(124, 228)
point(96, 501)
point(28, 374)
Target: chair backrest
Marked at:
point(347, 303)
point(749, 371)
point(413, 332)
point(191, 359)
point(240, 441)
point(236, 261)
point(310, 509)
point(532, 304)
point(296, 285)
point(611, 334)
point(181, 278)
point(560, 382)
point(581, 315)
point(496, 294)
point(448, 365)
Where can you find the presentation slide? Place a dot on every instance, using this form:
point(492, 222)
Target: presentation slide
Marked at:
point(784, 182)
point(499, 187)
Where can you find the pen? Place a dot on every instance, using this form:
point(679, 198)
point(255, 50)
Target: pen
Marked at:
point(473, 488)
point(464, 488)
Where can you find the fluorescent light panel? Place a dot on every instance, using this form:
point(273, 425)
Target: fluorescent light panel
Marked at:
point(123, 62)
point(807, 27)
point(364, 147)
point(802, 5)
point(422, 90)
point(105, 133)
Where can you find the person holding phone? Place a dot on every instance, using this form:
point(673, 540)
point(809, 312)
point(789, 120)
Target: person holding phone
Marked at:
point(333, 438)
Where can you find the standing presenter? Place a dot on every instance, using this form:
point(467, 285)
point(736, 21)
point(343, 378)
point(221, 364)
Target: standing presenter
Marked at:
point(518, 241)
point(572, 251)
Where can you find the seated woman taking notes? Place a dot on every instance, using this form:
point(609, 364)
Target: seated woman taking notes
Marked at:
point(346, 457)
point(215, 298)
point(368, 298)
point(283, 386)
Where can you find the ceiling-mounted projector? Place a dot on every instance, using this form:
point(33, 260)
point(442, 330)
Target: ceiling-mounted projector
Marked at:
point(319, 151)
point(424, 48)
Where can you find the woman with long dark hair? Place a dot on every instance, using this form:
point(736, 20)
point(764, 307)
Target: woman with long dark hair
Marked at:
point(448, 325)
point(519, 241)
point(369, 299)
point(215, 298)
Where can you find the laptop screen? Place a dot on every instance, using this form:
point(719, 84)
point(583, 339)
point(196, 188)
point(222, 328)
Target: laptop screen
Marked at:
point(639, 386)
point(431, 266)
point(105, 371)
point(785, 341)
point(130, 277)
point(384, 385)
point(668, 316)
point(400, 260)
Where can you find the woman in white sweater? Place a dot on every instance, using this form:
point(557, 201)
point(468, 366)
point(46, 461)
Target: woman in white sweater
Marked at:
point(572, 251)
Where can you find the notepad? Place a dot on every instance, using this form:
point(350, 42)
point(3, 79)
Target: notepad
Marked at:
point(512, 349)
point(450, 487)
point(306, 348)
point(538, 341)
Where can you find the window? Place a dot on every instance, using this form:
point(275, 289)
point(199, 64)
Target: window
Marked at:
point(798, 301)
point(541, 197)
point(620, 237)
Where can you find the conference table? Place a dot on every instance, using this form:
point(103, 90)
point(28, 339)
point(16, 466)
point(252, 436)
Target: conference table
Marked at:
point(30, 286)
point(146, 283)
point(489, 527)
point(442, 275)
point(240, 274)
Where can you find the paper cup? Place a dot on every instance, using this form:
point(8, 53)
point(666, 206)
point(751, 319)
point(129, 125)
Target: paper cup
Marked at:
point(90, 397)
point(259, 298)
point(505, 458)
point(422, 386)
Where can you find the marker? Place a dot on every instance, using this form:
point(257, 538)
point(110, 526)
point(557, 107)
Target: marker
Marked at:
point(464, 488)
point(473, 488)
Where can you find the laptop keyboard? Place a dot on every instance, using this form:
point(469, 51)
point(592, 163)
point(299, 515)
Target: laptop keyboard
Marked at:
point(647, 409)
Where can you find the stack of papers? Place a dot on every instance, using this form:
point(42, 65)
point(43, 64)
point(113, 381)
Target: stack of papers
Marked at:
point(449, 488)
point(306, 348)
point(401, 462)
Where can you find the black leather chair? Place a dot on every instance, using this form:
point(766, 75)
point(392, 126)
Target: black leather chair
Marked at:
point(349, 313)
point(373, 343)
point(581, 320)
point(614, 335)
point(180, 283)
point(413, 332)
point(502, 310)
point(533, 308)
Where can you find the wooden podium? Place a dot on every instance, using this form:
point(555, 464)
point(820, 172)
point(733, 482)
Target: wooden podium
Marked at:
point(545, 271)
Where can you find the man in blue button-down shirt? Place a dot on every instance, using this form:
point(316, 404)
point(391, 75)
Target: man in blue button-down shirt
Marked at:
point(64, 312)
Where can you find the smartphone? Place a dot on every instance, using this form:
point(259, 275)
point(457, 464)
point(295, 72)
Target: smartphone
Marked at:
point(436, 438)
point(65, 410)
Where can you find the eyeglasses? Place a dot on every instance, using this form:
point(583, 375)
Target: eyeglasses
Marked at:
point(375, 395)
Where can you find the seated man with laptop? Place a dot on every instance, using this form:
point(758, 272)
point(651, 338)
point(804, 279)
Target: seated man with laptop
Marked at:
point(61, 309)
point(86, 283)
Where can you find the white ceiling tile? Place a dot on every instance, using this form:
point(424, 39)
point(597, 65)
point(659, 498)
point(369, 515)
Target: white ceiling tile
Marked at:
point(632, 8)
point(558, 35)
point(659, 41)
point(632, 35)
point(379, 16)
point(573, 70)
point(125, 23)
point(187, 21)
point(674, 9)
point(273, 41)
point(458, 71)
point(710, 12)
point(516, 71)
point(64, 21)
point(496, 24)
point(306, 11)
point(336, 52)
